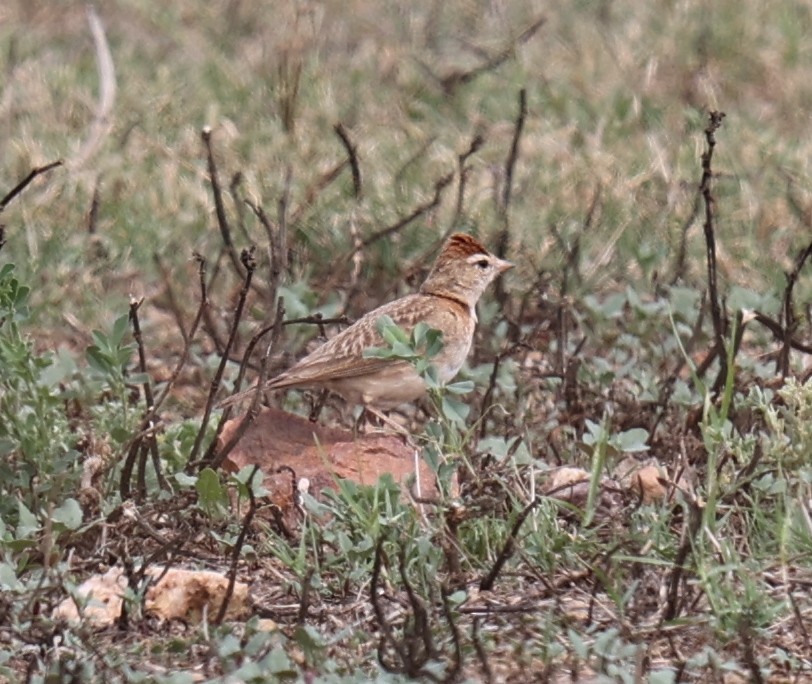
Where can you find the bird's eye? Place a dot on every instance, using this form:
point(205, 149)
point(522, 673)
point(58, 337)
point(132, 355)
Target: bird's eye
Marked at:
point(483, 263)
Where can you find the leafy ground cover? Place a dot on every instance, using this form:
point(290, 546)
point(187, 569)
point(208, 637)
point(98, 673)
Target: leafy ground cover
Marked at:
point(658, 315)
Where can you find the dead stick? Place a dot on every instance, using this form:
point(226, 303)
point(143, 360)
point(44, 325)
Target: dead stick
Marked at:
point(507, 550)
point(719, 324)
point(463, 170)
point(215, 460)
point(424, 208)
point(219, 206)
point(152, 444)
point(249, 266)
point(788, 312)
point(23, 184)
point(235, 555)
point(352, 153)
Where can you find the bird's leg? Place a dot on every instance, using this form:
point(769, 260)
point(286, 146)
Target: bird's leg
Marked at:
point(388, 422)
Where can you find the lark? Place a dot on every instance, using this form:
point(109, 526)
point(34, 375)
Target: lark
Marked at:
point(446, 301)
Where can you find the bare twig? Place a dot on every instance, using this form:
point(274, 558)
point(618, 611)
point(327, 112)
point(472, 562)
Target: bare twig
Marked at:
point(673, 606)
point(352, 154)
point(503, 243)
point(719, 322)
point(455, 79)
point(249, 265)
point(24, 183)
point(487, 582)
point(682, 251)
point(419, 211)
point(480, 651)
point(778, 332)
point(463, 171)
point(790, 322)
point(151, 442)
point(304, 596)
point(235, 554)
point(219, 206)
point(93, 214)
point(315, 189)
point(746, 630)
point(453, 672)
point(510, 163)
point(188, 337)
point(487, 398)
point(380, 617)
point(215, 459)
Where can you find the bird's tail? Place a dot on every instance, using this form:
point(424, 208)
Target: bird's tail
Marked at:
point(238, 398)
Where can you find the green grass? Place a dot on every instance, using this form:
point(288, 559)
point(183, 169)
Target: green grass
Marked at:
point(604, 186)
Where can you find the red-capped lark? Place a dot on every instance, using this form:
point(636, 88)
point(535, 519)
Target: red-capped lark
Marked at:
point(446, 301)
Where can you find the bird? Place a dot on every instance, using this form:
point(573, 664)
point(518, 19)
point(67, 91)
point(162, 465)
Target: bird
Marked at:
point(446, 301)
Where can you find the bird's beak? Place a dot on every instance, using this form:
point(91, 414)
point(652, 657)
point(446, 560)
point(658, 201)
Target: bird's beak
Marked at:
point(503, 265)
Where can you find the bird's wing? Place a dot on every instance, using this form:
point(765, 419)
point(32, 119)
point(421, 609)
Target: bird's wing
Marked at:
point(343, 355)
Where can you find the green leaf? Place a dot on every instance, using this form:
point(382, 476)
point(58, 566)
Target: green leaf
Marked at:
point(69, 514)
point(185, 480)
point(455, 410)
point(279, 663)
point(310, 641)
point(211, 494)
point(244, 475)
point(377, 353)
point(8, 577)
point(632, 440)
point(595, 433)
point(458, 597)
point(434, 342)
point(27, 523)
point(228, 646)
point(390, 332)
point(419, 333)
point(403, 350)
point(120, 328)
point(461, 387)
point(97, 360)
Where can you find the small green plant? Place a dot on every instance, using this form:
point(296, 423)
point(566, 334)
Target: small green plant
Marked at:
point(38, 459)
point(447, 433)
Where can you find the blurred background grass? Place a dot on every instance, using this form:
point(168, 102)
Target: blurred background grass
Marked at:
point(617, 98)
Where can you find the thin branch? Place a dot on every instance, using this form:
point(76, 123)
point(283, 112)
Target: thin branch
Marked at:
point(463, 170)
point(487, 582)
point(315, 189)
point(219, 206)
point(419, 211)
point(215, 459)
point(672, 605)
point(93, 214)
point(510, 163)
point(503, 243)
point(249, 265)
point(151, 442)
point(352, 154)
point(25, 182)
point(790, 322)
point(455, 79)
point(778, 332)
point(235, 555)
point(719, 323)
point(682, 251)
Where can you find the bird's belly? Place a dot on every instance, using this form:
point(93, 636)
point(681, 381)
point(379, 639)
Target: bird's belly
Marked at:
point(381, 390)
